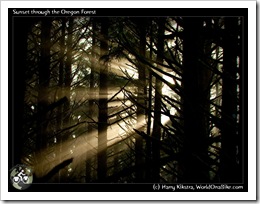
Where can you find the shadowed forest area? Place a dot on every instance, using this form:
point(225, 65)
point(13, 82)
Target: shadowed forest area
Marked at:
point(129, 99)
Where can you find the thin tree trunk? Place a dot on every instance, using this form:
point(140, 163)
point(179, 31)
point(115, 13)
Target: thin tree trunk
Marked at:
point(91, 100)
point(149, 117)
point(60, 91)
point(61, 71)
point(44, 80)
point(67, 85)
point(68, 74)
point(139, 159)
point(157, 105)
point(103, 114)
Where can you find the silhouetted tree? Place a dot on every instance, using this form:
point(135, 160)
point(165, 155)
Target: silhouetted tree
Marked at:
point(229, 168)
point(103, 107)
point(158, 103)
point(195, 99)
point(44, 82)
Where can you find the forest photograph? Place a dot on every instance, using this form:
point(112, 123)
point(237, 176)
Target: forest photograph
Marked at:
point(128, 99)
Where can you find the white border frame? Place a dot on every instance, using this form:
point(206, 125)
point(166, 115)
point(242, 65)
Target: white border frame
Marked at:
point(250, 195)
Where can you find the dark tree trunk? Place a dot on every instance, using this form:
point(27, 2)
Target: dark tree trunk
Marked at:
point(103, 114)
point(157, 105)
point(91, 107)
point(93, 70)
point(44, 80)
point(148, 171)
point(242, 115)
point(61, 72)
point(228, 165)
point(17, 86)
point(60, 113)
point(68, 75)
point(195, 99)
point(66, 114)
point(139, 158)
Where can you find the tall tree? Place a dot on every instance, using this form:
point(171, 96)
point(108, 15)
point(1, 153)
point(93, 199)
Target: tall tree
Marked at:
point(103, 107)
point(242, 81)
point(21, 28)
point(91, 101)
point(68, 71)
point(157, 104)
point(195, 99)
point(61, 87)
point(229, 166)
point(141, 103)
point(61, 70)
point(44, 82)
point(149, 110)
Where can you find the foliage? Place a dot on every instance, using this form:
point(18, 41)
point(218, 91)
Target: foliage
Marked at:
point(146, 99)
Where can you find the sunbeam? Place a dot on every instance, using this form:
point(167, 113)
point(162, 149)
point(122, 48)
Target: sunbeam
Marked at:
point(84, 144)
